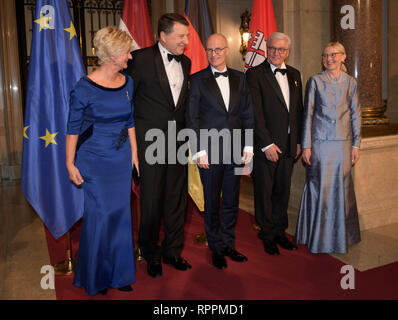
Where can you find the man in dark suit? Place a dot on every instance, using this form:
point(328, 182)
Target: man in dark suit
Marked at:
point(277, 102)
point(219, 101)
point(160, 76)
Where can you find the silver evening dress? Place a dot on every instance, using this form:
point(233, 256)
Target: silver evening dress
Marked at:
point(328, 215)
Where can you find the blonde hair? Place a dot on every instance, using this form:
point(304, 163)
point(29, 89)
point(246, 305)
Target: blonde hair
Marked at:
point(338, 46)
point(111, 41)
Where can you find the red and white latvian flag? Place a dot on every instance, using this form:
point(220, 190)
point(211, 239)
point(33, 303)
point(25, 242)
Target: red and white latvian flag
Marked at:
point(135, 21)
point(262, 24)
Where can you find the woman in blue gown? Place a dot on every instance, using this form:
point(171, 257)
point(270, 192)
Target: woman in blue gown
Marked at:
point(328, 215)
point(100, 152)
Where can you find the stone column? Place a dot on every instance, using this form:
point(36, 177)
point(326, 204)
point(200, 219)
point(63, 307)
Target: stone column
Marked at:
point(357, 24)
point(10, 95)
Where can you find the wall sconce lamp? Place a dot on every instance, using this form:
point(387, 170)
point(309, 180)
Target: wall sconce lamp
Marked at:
point(244, 32)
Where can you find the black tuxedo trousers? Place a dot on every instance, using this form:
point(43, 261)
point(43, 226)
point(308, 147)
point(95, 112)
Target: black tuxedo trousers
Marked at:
point(163, 190)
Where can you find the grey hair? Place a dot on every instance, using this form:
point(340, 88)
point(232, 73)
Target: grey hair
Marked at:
point(280, 36)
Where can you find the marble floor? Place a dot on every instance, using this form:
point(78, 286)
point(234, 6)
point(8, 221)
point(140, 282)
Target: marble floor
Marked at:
point(378, 246)
point(23, 248)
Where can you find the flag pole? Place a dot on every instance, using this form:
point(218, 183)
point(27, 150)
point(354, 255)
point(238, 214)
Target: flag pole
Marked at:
point(201, 238)
point(135, 20)
point(198, 15)
point(66, 267)
point(137, 249)
point(262, 23)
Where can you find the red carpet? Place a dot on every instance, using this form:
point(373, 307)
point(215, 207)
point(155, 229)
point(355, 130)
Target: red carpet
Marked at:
point(292, 275)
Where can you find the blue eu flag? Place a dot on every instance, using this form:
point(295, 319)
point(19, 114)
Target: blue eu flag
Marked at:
point(54, 68)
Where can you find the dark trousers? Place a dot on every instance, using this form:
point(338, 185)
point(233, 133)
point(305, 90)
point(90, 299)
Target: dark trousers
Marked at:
point(163, 195)
point(220, 228)
point(271, 194)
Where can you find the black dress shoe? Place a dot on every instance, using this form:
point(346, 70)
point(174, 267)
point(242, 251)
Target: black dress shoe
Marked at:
point(103, 291)
point(234, 255)
point(126, 288)
point(270, 248)
point(154, 268)
point(219, 261)
point(178, 263)
point(284, 243)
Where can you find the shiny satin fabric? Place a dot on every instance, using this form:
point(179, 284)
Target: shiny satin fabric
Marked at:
point(328, 215)
point(106, 249)
point(331, 110)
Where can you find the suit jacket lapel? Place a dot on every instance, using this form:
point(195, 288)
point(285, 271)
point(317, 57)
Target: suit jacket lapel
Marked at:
point(161, 73)
point(185, 71)
point(212, 85)
point(233, 89)
point(292, 90)
point(274, 83)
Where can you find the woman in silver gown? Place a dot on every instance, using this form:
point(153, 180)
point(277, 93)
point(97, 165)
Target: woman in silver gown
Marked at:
point(328, 216)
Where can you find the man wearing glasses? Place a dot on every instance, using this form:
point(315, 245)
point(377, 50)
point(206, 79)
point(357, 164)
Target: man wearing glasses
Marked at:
point(277, 103)
point(219, 101)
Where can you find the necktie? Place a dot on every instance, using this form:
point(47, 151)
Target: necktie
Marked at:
point(173, 56)
point(283, 71)
point(217, 74)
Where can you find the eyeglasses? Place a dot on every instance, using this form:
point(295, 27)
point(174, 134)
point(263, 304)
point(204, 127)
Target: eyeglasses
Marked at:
point(333, 54)
point(280, 50)
point(217, 51)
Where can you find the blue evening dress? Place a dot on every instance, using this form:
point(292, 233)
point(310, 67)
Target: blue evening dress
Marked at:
point(328, 219)
point(101, 117)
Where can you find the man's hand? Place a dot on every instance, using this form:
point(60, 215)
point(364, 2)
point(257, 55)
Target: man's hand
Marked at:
point(298, 151)
point(203, 162)
point(272, 153)
point(247, 157)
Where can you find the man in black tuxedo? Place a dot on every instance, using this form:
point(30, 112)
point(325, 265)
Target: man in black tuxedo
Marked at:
point(160, 76)
point(277, 102)
point(219, 101)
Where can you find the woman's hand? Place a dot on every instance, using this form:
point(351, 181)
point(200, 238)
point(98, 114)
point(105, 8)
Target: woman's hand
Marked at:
point(135, 162)
point(354, 155)
point(307, 156)
point(74, 174)
point(134, 150)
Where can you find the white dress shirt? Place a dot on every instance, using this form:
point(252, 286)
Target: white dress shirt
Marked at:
point(284, 85)
point(174, 73)
point(223, 85)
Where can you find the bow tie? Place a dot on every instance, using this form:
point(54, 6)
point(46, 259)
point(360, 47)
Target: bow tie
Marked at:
point(224, 74)
point(173, 56)
point(283, 71)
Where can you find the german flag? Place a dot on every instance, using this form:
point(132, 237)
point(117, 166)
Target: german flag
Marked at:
point(200, 28)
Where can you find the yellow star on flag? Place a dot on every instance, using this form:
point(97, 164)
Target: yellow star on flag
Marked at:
point(71, 30)
point(43, 22)
point(49, 138)
point(24, 132)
